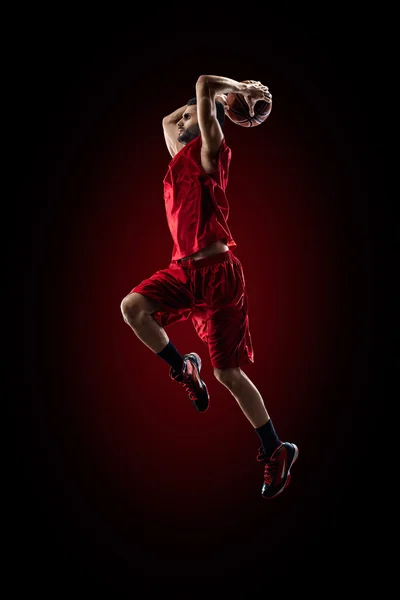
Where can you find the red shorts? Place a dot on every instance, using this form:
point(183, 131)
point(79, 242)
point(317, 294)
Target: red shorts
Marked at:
point(211, 291)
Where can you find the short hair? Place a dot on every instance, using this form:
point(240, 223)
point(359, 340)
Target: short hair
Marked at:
point(220, 110)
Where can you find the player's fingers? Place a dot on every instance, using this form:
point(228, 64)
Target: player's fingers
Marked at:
point(250, 103)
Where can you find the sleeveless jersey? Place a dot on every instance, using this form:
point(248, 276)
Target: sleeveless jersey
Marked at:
point(195, 202)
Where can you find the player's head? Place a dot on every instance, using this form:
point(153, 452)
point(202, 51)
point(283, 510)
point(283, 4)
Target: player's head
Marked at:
point(188, 126)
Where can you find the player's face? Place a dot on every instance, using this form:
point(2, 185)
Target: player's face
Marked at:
point(188, 127)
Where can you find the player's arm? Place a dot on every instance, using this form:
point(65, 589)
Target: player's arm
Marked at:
point(171, 132)
point(207, 88)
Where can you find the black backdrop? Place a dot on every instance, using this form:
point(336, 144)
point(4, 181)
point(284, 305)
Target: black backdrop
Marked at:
point(116, 477)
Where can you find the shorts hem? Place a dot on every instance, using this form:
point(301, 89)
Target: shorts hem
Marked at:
point(236, 364)
point(165, 315)
point(151, 296)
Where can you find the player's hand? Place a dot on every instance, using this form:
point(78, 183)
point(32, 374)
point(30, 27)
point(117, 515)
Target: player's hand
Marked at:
point(222, 98)
point(256, 91)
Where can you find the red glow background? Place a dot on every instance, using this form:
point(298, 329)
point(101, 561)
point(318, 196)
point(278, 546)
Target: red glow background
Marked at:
point(119, 474)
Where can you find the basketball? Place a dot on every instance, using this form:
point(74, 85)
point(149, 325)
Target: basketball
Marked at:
point(239, 110)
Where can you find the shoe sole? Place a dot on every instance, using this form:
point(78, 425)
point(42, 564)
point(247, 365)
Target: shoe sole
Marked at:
point(208, 399)
point(295, 456)
point(203, 385)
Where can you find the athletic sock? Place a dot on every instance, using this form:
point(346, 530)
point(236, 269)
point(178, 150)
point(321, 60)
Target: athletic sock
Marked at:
point(171, 355)
point(268, 437)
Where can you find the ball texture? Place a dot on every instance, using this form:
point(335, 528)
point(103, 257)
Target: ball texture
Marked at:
point(239, 113)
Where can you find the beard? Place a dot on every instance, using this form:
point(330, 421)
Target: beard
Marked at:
point(189, 134)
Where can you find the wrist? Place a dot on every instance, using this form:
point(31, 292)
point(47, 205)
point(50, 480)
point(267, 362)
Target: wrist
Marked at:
point(175, 116)
point(220, 85)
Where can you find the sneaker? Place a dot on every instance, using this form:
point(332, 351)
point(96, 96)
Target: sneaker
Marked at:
point(277, 469)
point(190, 379)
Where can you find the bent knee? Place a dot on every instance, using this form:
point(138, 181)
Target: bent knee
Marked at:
point(228, 377)
point(134, 306)
point(131, 307)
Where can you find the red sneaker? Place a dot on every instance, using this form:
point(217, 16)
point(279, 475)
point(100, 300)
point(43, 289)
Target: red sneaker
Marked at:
point(190, 379)
point(277, 469)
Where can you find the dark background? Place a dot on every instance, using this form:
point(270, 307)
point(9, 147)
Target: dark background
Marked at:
point(116, 475)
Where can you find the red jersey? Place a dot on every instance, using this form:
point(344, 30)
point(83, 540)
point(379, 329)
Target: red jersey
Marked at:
point(195, 202)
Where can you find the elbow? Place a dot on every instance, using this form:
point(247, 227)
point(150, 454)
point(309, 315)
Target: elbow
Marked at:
point(203, 83)
point(202, 80)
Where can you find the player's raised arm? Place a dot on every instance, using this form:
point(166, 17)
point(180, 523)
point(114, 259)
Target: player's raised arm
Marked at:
point(208, 88)
point(170, 130)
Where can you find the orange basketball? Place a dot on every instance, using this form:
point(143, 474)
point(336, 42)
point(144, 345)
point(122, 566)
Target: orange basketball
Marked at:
point(239, 110)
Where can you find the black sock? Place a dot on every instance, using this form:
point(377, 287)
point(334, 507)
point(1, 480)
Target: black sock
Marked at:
point(171, 355)
point(268, 437)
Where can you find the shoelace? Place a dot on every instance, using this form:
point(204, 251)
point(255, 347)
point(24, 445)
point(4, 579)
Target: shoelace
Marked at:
point(261, 456)
point(269, 472)
point(269, 468)
point(188, 385)
point(190, 388)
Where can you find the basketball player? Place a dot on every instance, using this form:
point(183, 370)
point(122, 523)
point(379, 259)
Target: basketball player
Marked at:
point(204, 280)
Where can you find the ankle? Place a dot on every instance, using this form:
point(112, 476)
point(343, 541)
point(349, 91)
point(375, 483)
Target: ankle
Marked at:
point(268, 437)
point(171, 356)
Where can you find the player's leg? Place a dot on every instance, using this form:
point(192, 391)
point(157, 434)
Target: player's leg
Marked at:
point(137, 311)
point(230, 347)
point(249, 400)
point(155, 303)
point(277, 456)
point(251, 404)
